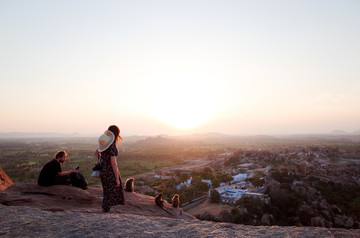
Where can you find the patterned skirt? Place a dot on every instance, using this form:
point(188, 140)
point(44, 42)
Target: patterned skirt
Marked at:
point(112, 195)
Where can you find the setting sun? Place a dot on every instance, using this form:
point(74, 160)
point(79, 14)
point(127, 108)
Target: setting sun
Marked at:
point(183, 101)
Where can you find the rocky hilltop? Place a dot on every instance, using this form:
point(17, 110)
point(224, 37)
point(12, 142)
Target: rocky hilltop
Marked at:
point(28, 210)
point(63, 198)
point(19, 221)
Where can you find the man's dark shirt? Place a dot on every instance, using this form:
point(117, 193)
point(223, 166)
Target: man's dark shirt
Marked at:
point(47, 176)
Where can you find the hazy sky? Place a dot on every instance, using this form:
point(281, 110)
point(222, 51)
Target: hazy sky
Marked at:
point(170, 67)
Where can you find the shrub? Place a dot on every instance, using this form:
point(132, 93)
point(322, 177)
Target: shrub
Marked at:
point(214, 196)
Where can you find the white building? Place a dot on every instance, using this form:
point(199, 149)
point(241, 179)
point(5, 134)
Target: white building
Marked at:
point(186, 183)
point(239, 177)
point(230, 194)
point(238, 193)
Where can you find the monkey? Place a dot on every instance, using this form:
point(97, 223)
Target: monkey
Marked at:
point(129, 185)
point(175, 201)
point(160, 202)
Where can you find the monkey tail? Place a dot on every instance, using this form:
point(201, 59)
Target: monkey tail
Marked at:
point(166, 210)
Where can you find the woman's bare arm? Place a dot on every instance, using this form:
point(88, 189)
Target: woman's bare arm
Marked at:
point(115, 169)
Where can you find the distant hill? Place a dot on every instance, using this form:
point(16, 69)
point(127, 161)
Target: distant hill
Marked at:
point(338, 132)
point(196, 136)
point(357, 132)
point(342, 132)
point(35, 135)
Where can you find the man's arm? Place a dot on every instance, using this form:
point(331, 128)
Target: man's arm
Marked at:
point(67, 172)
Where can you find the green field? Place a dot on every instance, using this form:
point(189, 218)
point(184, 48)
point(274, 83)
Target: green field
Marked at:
point(22, 159)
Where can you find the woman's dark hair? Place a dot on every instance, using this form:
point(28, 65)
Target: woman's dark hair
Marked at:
point(114, 129)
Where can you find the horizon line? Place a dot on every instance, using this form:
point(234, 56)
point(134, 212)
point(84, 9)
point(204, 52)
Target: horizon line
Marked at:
point(79, 135)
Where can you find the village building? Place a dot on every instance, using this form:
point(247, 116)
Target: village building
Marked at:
point(188, 183)
point(238, 189)
point(260, 196)
point(232, 195)
point(239, 177)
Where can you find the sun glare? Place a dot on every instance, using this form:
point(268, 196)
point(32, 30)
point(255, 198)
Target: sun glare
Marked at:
point(183, 101)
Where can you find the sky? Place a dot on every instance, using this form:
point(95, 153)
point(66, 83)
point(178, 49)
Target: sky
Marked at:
point(180, 67)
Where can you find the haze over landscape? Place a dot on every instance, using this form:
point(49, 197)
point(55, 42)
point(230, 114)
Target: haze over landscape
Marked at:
point(179, 67)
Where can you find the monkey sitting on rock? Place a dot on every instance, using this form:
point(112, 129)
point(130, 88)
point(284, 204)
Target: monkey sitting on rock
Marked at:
point(160, 202)
point(129, 185)
point(175, 201)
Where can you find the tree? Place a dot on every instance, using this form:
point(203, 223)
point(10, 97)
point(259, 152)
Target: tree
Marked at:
point(253, 205)
point(224, 178)
point(207, 174)
point(225, 216)
point(256, 181)
point(183, 177)
point(189, 193)
point(171, 184)
point(215, 183)
point(199, 185)
point(215, 196)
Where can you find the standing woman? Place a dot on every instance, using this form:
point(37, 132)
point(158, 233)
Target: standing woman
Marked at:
point(109, 173)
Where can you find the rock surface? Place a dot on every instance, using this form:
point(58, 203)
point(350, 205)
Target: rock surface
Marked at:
point(68, 198)
point(29, 210)
point(19, 221)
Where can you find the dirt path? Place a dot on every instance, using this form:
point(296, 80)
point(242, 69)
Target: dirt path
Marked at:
point(207, 206)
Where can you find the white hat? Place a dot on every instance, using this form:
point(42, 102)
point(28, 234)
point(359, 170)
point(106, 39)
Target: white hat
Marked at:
point(105, 140)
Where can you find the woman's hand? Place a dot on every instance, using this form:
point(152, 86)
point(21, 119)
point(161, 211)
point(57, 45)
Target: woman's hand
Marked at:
point(96, 153)
point(117, 183)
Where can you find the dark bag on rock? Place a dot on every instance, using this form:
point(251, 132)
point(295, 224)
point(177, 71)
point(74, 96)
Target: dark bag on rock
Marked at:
point(78, 180)
point(97, 166)
point(96, 169)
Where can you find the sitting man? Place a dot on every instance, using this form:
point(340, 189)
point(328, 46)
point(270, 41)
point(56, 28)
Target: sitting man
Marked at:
point(51, 173)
